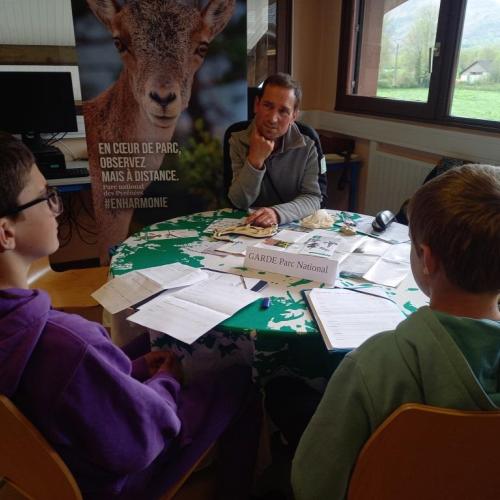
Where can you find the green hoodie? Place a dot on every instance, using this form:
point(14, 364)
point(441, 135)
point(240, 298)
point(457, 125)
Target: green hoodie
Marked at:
point(419, 362)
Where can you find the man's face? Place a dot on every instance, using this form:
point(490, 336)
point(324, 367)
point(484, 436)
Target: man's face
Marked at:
point(275, 112)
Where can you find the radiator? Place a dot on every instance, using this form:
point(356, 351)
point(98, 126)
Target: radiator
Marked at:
point(391, 180)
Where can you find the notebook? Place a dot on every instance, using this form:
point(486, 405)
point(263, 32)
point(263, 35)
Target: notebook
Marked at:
point(347, 317)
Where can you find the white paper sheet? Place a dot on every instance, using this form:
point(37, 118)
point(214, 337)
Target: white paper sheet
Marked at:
point(395, 233)
point(206, 247)
point(387, 273)
point(348, 244)
point(194, 310)
point(234, 247)
point(348, 318)
point(124, 291)
point(178, 318)
point(392, 268)
point(290, 236)
point(372, 246)
point(227, 279)
point(129, 289)
point(233, 279)
point(320, 245)
point(174, 275)
point(357, 264)
point(223, 223)
point(170, 234)
point(389, 269)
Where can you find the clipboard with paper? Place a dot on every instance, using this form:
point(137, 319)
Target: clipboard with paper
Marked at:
point(347, 317)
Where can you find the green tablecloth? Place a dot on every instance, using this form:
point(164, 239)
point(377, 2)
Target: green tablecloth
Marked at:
point(286, 335)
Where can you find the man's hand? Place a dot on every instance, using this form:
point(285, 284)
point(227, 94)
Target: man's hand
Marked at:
point(260, 149)
point(263, 217)
point(164, 361)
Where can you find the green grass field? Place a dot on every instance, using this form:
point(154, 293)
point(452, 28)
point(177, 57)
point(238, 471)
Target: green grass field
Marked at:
point(483, 104)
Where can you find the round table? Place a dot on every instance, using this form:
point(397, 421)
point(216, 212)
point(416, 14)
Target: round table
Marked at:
point(286, 335)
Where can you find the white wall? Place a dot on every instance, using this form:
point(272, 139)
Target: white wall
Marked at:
point(36, 22)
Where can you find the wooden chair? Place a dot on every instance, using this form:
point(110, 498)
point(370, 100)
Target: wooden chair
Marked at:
point(198, 483)
point(31, 469)
point(70, 290)
point(423, 452)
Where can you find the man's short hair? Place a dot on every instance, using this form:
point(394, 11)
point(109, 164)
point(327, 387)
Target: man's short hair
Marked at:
point(457, 215)
point(284, 80)
point(16, 161)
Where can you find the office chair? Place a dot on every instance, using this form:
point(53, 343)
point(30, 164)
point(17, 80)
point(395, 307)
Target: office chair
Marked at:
point(31, 469)
point(304, 129)
point(423, 452)
point(70, 290)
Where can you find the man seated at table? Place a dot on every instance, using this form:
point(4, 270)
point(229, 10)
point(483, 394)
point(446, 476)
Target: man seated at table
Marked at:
point(445, 354)
point(126, 429)
point(275, 167)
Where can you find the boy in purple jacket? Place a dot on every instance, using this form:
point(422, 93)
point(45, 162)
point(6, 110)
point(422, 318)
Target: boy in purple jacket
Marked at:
point(126, 429)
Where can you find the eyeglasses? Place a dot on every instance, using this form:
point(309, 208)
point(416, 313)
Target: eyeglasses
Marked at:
point(52, 198)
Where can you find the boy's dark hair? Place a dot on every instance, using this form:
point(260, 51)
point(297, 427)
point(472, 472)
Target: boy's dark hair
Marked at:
point(16, 161)
point(458, 215)
point(284, 80)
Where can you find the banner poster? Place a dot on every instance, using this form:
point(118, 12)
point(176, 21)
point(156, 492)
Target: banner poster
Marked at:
point(161, 81)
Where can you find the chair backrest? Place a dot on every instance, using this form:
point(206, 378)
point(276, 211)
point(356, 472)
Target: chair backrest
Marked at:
point(423, 452)
point(28, 464)
point(304, 129)
point(71, 289)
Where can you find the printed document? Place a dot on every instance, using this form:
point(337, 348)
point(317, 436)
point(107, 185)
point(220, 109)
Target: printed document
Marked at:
point(395, 233)
point(129, 289)
point(346, 318)
point(189, 313)
point(378, 262)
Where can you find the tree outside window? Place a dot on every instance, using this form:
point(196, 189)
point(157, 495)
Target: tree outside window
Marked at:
point(434, 60)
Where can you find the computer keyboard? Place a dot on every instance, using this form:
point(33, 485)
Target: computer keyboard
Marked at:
point(68, 173)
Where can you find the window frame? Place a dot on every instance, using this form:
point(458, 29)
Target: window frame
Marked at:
point(284, 14)
point(437, 108)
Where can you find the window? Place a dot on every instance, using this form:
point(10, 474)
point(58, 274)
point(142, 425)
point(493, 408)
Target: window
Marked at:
point(431, 60)
point(268, 38)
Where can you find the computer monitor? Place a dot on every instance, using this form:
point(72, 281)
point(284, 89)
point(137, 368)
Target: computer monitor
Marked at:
point(33, 102)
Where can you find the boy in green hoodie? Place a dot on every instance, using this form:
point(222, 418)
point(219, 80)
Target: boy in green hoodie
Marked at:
point(446, 354)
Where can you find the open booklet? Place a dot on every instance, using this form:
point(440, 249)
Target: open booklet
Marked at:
point(346, 318)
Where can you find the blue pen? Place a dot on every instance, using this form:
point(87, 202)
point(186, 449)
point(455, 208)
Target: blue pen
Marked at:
point(266, 302)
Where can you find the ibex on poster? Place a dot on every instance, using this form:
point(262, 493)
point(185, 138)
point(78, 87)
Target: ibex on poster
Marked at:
point(162, 43)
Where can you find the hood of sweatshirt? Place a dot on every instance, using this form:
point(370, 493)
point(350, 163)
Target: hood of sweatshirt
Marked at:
point(23, 315)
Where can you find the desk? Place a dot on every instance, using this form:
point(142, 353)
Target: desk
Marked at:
point(282, 332)
point(72, 184)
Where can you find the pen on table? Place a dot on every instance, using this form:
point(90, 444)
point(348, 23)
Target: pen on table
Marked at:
point(243, 281)
point(266, 302)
